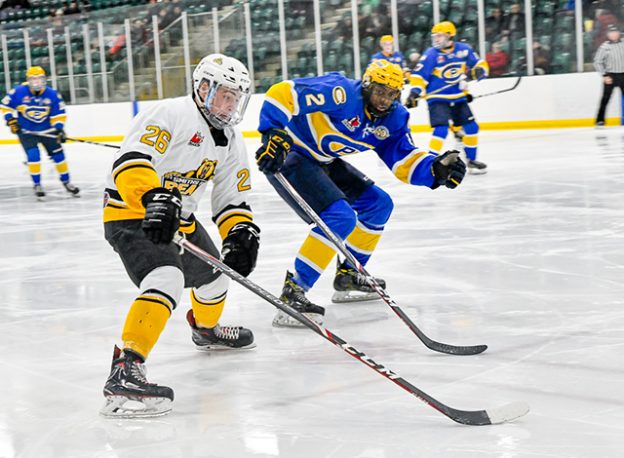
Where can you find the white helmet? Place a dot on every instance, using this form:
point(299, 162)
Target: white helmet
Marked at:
point(222, 89)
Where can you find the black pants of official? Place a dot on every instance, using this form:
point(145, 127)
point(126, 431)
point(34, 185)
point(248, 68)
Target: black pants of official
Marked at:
point(607, 90)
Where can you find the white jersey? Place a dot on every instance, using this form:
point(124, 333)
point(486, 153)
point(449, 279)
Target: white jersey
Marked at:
point(173, 139)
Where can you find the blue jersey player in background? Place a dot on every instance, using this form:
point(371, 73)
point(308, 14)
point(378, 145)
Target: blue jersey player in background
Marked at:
point(35, 107)
point(447, 63)
point(388, 53)
point(307, 126)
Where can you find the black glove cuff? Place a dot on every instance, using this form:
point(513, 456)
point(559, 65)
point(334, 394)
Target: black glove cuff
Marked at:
point(148, 195)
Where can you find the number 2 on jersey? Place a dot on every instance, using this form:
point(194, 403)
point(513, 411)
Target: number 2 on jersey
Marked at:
point(243, 177)
point(156, 137)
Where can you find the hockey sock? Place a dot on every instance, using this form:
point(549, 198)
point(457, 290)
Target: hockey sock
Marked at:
point(471, 140)
point(34, 164)
point(374, 208)
point(146, 319)
point(207, 312)
point(61, 166)
point(437, 140)
point(317, 251)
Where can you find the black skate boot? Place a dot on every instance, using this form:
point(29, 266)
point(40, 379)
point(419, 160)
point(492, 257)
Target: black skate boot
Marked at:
point(73, 190)
point(220, 337)
point(351, 285)
point(127, 383)
point(476, 167)
point(39, 193)
point(294, 296)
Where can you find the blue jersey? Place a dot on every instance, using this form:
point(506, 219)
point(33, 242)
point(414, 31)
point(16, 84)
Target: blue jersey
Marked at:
point(326, 119)
point(396, 58)
point(438, 68)
point(34, 112)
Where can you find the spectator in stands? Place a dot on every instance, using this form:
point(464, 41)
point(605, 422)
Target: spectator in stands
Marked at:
point(138, 33)
point(72, 8)
point(412, 60)
point(604, 19)
point(17, 4)
point(494, 25)
point(497, 59)
point(514, 20)
point(541, 58)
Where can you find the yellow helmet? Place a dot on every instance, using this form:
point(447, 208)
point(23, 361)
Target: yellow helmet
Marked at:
point(35, 71)
point(386, 39)
point(445, 27)
point(383, 72)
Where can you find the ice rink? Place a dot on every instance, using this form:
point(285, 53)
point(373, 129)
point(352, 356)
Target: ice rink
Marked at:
point(528, 259)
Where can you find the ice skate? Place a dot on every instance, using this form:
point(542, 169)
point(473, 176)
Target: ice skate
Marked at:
point(73, 190)
point(351, 285)
point(128, 393)
point(220, 337)
point(294, 296)
point(39, 193)
point(476, 167)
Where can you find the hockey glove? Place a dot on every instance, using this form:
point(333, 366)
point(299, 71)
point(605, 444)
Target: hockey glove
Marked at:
point(14, 126)
point(448, 169)
point(162, 214)
point(240, 248)
point(60, 135)
point(469, 97)
point(412, 99)
point(276, 143)
point(478, 73)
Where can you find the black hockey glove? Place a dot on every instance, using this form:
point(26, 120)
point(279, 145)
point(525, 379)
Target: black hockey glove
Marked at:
point(412, 99)
point(448, 169)
point(240, 248)
point(276, 143)
point(162, 214)
point(14, 126)
point(60, 135)
point(478, 73)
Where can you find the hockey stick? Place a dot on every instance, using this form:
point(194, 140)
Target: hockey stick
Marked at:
point(499, 92)
point(494, 416)
point(78, 140)
point(372, 282)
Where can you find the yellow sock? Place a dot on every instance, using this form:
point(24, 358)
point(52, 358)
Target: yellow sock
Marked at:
point(207, 312)
point(436, 144)
point(316, 251)
point(146, 319)
point(363, 240)
point(61, 167)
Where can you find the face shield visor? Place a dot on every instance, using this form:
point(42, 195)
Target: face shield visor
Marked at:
point(223, 106)
point(37, 83)
point(440, 40)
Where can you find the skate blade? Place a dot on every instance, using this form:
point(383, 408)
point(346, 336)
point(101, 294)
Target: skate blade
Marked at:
point(342, 297)
point(125, 407)
point(283, 320)
point(216, 347)
point(477, 171)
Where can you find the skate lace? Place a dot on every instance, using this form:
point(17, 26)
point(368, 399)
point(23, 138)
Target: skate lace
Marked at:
point(228, 332)
point(138, 371)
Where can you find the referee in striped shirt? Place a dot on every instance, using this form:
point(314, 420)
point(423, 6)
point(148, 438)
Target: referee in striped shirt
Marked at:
point(609, 62)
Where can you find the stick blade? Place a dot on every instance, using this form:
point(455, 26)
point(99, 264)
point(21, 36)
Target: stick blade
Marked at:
point(508, 412)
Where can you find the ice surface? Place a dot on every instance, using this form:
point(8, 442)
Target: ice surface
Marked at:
point(528, 259)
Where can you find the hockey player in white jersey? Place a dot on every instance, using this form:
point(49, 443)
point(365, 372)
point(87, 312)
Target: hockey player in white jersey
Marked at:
point(172, 152)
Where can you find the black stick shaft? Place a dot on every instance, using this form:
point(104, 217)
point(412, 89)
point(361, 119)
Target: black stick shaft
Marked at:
point(475, 418)
point(78, 140)
point(429, 343)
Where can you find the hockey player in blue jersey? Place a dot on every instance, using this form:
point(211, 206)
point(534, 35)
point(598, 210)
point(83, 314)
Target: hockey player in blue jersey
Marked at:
point(35, 107)
point(307, 125)
point(388, 53)
point(447, 62)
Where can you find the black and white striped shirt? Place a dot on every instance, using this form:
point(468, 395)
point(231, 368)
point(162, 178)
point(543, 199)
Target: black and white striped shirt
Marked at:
point(610, 57)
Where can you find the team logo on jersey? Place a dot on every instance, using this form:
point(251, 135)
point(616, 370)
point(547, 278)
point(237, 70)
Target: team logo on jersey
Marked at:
point(26, 99)
point(197, 139)
point(188, 182)
point(440, 59)
point(352, 123)
point(381, 132)
point(35, 114)
point(452, 72)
